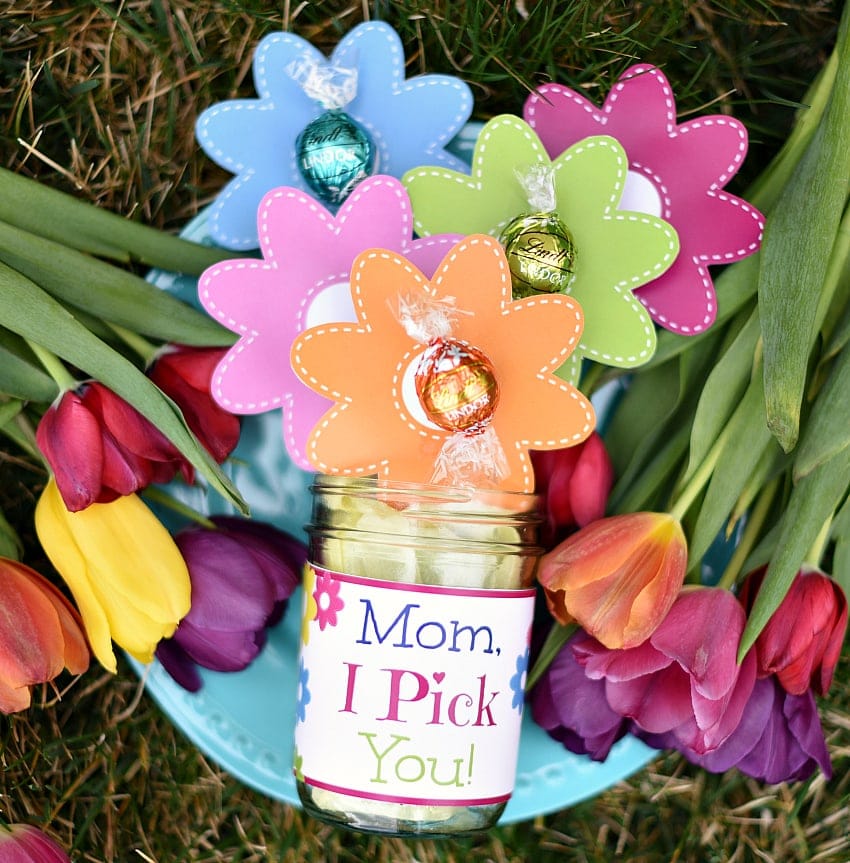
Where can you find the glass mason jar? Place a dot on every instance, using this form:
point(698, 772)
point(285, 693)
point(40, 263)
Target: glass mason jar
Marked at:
point(418, 603)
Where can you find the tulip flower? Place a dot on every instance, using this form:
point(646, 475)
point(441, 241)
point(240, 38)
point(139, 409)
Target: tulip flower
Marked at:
point(22, 843)
point(40, 634)
point(779, 738)
point(801, 643)
point(684, 680)
point(617, 577)
point(242, 574)
point(127, 576)
point(574, 484)
point(185, 374)
point(99, 447)
point(572, 709)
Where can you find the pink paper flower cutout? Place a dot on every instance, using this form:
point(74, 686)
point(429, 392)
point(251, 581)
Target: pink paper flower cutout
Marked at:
point(677, 172)
point(328, 602)
point(301, 281)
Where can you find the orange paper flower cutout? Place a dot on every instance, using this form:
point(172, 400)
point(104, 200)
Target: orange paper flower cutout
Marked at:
point(378, 426)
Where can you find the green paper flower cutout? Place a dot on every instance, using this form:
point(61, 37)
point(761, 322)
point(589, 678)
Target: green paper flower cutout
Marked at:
point(617, 250)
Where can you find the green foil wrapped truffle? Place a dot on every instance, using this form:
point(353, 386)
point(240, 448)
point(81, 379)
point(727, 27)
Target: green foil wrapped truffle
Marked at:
point(541, 254)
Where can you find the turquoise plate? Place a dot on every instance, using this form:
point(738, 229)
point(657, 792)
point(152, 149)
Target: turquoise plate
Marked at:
point(244, 721)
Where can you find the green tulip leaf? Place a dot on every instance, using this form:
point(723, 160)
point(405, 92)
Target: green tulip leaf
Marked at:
point(107, 291)
point(841, 551)
point(52, 214)
point(11, 546)
point(722, 391)
point(810, 505)
point(744, 440)
point(798, 242)
point(21, 375)
point(827, 431)
point(589, 179)
point(35, 315)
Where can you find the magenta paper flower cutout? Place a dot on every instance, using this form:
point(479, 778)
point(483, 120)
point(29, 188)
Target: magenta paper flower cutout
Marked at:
point(301, 281)
point(328, 601)
point(677, 172)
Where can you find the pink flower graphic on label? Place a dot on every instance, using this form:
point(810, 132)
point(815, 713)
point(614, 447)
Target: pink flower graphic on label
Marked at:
point(676, 171)
point(328, 601)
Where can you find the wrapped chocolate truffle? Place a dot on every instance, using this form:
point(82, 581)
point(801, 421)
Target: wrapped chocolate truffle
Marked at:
point(333, 152)
point(539, 247)
point(458, 391)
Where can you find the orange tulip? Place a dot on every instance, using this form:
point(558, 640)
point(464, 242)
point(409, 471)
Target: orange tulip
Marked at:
point(40, 634)
point(617, 577)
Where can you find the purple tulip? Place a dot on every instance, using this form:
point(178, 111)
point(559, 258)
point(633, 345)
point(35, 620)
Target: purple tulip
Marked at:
point(779, 738)
point(684, 679)
point(572, 709)
point(242, 574)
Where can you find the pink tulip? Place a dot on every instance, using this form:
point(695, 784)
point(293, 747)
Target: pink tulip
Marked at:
point(574, 484)
point(684, 680)
point(801, 643)
point(617, 577)
point(100, 448)
point(185, 374)
point(22, 843)
point(40, 634)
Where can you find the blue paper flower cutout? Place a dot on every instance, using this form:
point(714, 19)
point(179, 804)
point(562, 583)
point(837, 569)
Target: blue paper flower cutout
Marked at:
point(517, 681)
point(410, 121)
point(304, 696)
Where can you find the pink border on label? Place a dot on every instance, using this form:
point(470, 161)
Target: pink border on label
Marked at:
point(417, 801)
point(495, 593)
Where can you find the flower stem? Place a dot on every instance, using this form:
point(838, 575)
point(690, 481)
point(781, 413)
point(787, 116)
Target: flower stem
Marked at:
point(139, 344)
point(751, 533)
point(816, 551)
point(54, 367)
point(162, 497)
point(555, 640)
point(699, 478)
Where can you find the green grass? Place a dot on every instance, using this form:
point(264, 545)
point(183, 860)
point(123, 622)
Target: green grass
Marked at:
point(100, 98)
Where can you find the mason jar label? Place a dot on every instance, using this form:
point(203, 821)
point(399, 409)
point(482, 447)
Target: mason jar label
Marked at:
point(410, 693)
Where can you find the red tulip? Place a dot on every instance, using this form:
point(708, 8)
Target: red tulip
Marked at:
point(685, 679)
point(618, 577)
point(40, 634)
point(100, 448)
point(22, 843)
point(574, 484)
point(185, 374)
point(801, 643)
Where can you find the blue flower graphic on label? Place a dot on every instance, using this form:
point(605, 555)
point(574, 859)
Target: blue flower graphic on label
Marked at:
point(304, 695)
point(518, 681)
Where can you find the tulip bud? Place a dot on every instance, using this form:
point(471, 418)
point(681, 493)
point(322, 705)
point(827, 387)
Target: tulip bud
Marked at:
point(617, 577)
point(40, 634)
point(185, 374)
point(127, 576)
point(242, 573)
point(801, 643)
point(574, 484)
point(22, 843)
point(99, 447)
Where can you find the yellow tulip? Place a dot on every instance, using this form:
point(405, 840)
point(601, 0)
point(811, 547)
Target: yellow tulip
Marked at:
point(127, 575)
